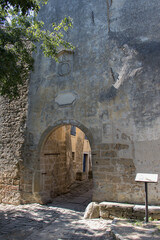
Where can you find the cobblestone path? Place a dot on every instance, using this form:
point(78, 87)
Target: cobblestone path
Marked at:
point(63, 219)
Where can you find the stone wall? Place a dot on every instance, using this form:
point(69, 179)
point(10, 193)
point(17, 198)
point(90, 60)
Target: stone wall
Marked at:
point(71, 173)
point(114, 176)
point(110, 210)
point(55, 173)
point(108, 87)
point(80, 146)
point(79, 151)
point(12, 137)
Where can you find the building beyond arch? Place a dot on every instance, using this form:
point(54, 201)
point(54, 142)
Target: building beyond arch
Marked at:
point(64, 158)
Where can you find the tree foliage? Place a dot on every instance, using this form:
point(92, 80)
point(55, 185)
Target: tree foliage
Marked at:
point(19, 32)
point(24, 6)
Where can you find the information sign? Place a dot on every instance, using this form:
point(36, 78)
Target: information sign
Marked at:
point(146, 178)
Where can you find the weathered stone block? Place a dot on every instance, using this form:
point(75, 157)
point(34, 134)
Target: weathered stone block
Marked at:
point(92, 211)
point(111, 210)
point(80, 176)
point(102, 146)
point(120, 146)
point(108, 154)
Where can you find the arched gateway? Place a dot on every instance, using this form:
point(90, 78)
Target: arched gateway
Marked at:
point(108, 88)
point(64, 158)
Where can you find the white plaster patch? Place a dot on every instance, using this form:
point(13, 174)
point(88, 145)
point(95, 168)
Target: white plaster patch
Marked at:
point(143, 39)
point(65, 98)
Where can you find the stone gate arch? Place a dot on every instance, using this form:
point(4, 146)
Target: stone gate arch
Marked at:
point(56, 169)
point(60, 123)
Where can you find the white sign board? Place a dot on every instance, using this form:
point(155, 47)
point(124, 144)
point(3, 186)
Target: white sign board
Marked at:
point(146, 177)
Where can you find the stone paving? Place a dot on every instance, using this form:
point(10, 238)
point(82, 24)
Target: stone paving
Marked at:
point(62, 219)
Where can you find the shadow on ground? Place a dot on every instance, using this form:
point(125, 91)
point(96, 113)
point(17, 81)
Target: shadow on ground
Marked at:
point(62, 219)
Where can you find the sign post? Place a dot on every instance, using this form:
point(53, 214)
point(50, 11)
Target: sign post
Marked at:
point(146, 201)
point(146, 178)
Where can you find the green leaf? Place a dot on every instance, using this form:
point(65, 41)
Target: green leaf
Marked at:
point(19, 33)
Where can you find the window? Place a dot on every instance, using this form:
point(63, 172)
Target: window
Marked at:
point(73, 156)
point(84, 162)
point(73, 130)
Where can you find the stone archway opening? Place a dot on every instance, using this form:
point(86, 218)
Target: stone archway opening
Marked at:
point(65, 162)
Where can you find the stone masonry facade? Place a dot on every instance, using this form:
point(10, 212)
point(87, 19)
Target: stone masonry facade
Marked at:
point(109, 87)
point(12, 138)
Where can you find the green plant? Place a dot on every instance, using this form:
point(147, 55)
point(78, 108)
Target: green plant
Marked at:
point(19, 32)
point(138, 223)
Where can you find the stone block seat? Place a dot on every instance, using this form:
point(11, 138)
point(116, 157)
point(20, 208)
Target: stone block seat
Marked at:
point(110, 210)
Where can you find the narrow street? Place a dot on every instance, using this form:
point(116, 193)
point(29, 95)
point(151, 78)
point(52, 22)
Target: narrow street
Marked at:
point(62, 219)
